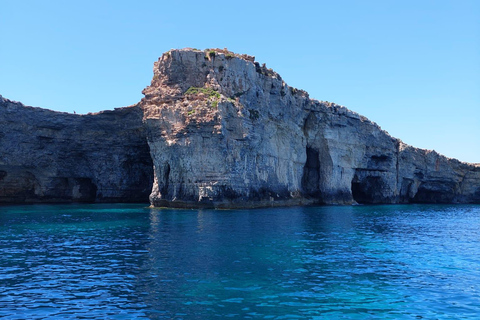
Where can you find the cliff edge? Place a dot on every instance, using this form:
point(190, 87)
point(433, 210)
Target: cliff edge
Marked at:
point(225, 132)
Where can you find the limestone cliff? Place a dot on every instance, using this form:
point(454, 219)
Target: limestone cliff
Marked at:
point(48, 156)
point(225, 131)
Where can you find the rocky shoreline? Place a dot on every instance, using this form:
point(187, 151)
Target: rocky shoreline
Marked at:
point(223, 131)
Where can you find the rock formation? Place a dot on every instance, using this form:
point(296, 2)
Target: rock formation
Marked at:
point(227, 132)
point(49, 156)
point(223, 131)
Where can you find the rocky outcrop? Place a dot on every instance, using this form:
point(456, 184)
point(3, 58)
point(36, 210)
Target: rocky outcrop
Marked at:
point(227, 132)
point(223, 131)
point(428, 177)
point(49, 156)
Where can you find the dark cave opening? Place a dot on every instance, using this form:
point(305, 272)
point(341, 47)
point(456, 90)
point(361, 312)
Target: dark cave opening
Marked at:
point(367, 189)
point(358, 192)
point(311, 173)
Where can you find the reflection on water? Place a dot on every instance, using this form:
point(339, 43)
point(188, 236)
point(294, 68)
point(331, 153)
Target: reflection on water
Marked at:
point(128, 261)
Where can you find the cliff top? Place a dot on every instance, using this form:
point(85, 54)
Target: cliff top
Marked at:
point(179, 73)
point(211, 52)
point(226, 55)
point(12, 105)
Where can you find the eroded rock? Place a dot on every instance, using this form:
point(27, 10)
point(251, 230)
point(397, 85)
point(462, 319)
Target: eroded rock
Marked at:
point(226, 132)
point(49, 156)
point(223, 131)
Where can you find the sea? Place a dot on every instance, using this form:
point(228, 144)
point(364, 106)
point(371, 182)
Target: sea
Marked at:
point(129, 261)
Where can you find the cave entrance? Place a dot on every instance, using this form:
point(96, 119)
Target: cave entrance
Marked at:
point(311, 173)
point(367, 189)
point(358, 191)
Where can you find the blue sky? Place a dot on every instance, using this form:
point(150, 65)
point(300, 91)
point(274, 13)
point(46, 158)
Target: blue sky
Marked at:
point(413, 67)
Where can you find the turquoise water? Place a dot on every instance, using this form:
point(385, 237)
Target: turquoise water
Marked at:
point(132, 262)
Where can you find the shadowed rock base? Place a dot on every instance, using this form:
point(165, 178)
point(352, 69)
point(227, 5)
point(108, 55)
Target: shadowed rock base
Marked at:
point(232, 204)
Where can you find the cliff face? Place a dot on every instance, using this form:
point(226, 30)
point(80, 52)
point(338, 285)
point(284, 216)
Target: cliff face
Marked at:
point(48, 156)
point(226, 132)
point(222, 132)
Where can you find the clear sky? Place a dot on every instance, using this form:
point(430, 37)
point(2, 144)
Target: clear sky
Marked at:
point(412, 66)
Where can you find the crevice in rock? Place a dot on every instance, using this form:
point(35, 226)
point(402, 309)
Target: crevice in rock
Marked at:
point(165, 180)
point(311, 173)
point(318, 167)
point(397, 171)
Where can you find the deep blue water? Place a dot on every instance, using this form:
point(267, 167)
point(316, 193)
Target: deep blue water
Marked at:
point(132, 262)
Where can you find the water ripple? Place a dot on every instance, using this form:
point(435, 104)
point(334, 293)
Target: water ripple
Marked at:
point(129, 262)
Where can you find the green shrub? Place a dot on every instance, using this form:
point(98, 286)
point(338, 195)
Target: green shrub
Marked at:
point(209, 92)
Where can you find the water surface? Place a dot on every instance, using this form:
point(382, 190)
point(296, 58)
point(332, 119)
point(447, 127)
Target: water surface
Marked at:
point(132, 262)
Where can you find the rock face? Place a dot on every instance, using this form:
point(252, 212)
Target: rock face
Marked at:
point(48, 156)
point(226, 132)
point(223, 131)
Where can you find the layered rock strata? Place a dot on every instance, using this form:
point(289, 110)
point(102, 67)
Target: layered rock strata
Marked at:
point(49, 156)
point(227, 132)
